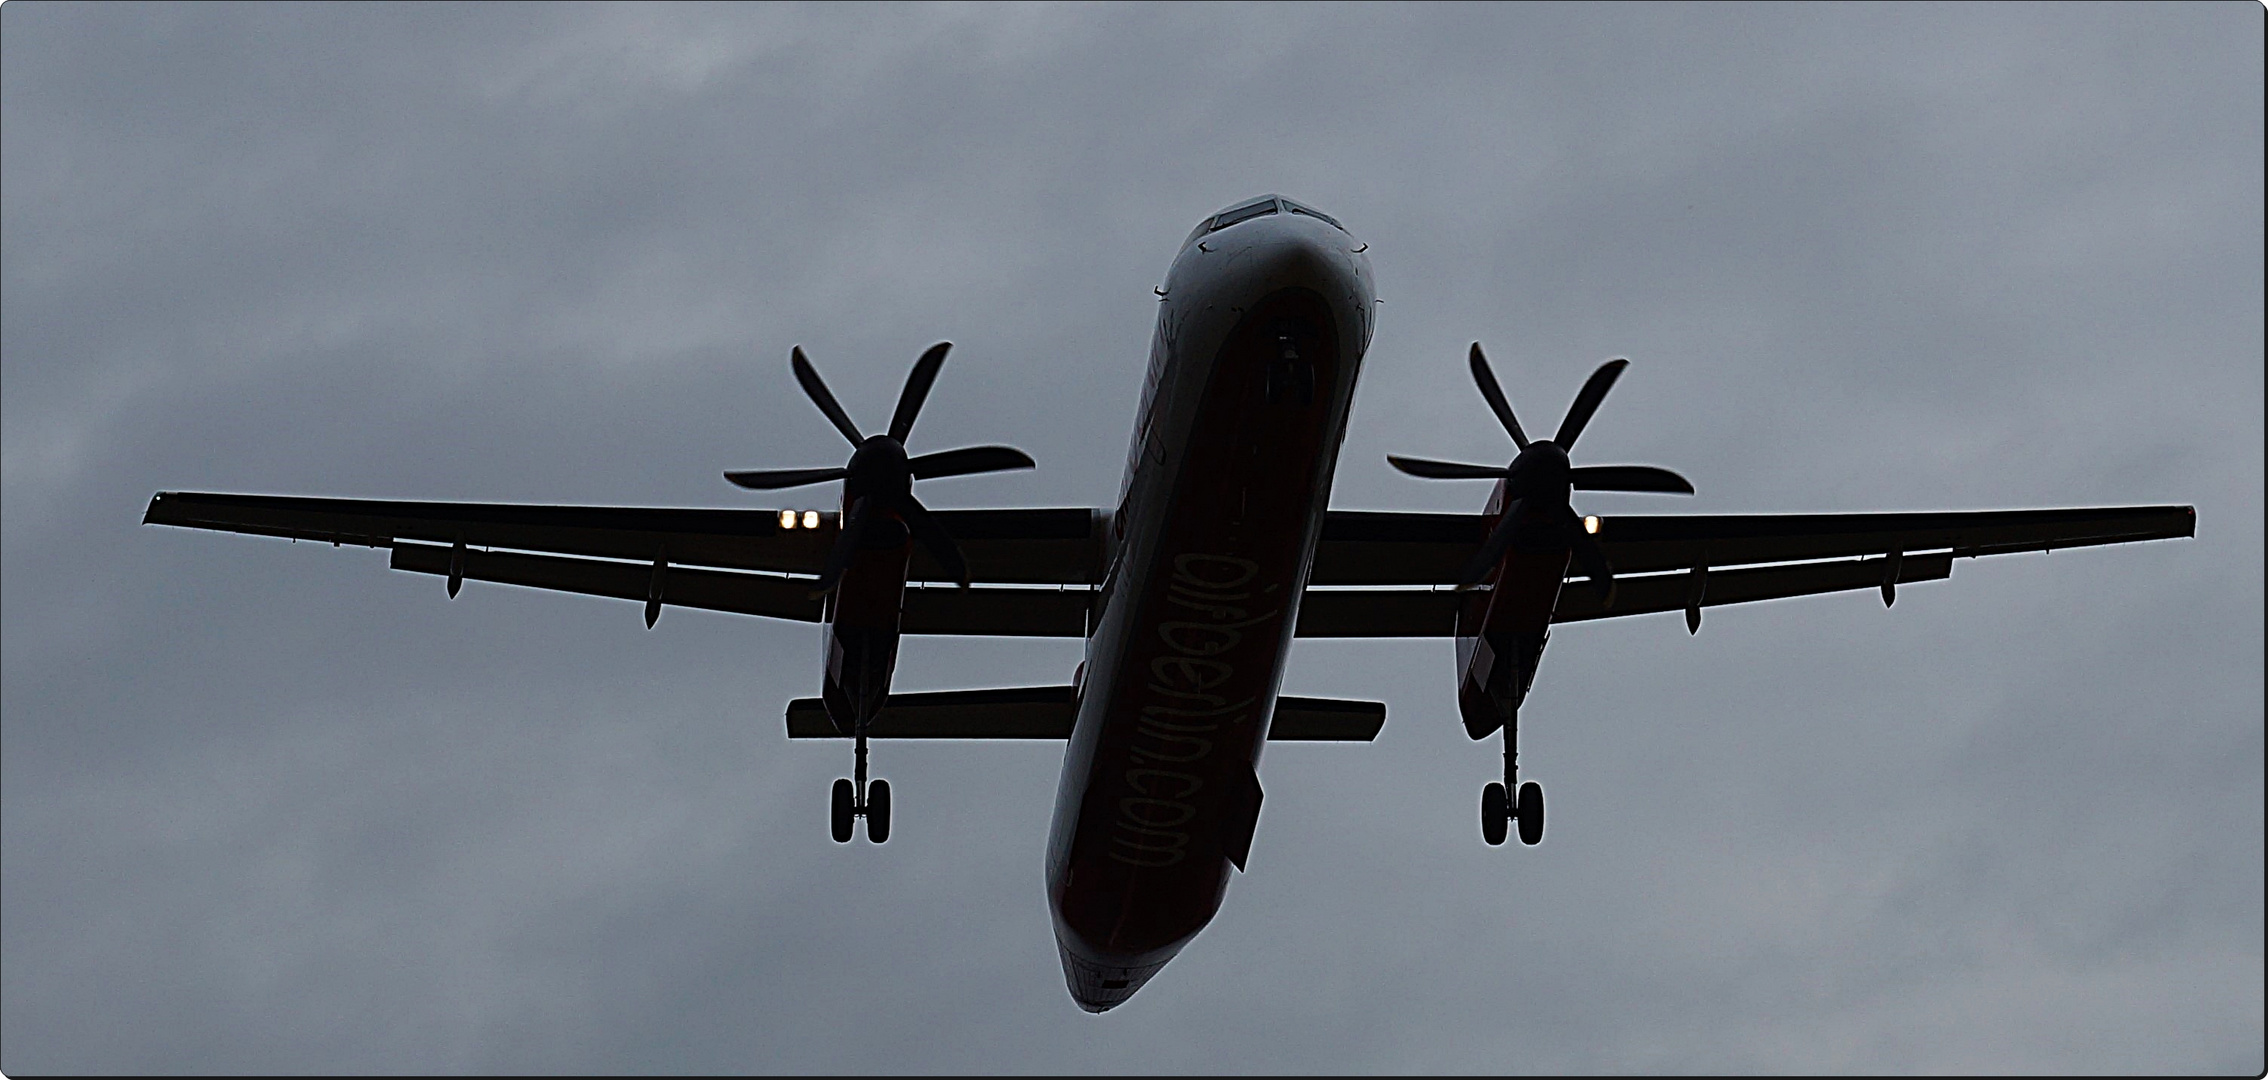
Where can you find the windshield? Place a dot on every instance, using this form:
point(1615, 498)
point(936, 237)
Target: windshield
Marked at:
point(1244, 211)
point(1314, 213)
point(1260, 207)
point(1247, 212)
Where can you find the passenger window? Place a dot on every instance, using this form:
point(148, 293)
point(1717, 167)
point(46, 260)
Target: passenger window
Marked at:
point(1244, 213)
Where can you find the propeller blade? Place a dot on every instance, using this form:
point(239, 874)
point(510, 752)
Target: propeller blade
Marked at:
point(1446, 470)
point(816, 388)
point(1587, 402)
point(969, 460)
point(918, 382)
point(846, 543)
point(1590, 555)
point(934, 537)
point(1495, 396)
point(774, 479)
point(1498, 539)
point(1628, 478)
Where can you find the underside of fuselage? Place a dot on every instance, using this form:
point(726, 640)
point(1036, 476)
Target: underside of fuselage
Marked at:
point(1260, 340)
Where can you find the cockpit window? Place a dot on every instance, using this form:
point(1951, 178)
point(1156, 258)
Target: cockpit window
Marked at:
point(1260, 207)
point(1314, 213)
point(1247, 212)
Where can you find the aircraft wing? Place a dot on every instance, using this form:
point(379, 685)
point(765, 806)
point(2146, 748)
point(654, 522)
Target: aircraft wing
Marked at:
point(748, 562)
point(1671, 563)
point(1050, 547)
point(742, 561)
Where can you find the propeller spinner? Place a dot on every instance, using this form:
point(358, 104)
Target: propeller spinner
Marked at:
point(1540, 480)
point(878, 480)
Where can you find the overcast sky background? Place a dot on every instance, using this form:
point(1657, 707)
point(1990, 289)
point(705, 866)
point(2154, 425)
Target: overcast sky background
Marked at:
point(273, 807)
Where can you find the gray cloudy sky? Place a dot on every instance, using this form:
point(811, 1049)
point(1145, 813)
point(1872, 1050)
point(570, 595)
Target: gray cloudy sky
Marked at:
point(273, 807)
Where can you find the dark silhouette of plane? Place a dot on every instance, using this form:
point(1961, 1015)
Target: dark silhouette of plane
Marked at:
point(1190, 590)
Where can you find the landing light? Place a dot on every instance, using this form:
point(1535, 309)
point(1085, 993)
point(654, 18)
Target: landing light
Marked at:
point(1591, 524)
point(787, 519)
point(811, 519)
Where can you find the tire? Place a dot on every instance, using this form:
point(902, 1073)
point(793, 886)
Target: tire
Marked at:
point(1494, 813)
point(878, 811)
point(842, 810)
point(1531, 813)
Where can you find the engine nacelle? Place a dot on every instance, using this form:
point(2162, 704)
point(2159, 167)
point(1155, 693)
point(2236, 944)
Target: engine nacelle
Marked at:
point(1501, 631)
point(861, 628)
point(1495, 670)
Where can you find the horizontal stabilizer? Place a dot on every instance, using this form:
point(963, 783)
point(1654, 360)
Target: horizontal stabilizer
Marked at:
point(1047, 712)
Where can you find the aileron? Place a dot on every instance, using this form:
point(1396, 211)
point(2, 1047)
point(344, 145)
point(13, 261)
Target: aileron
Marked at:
point(1638, 544)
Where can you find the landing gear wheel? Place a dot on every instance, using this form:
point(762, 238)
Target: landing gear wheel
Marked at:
point(878, 811)
point(1530, 813)
point(1495, 812)
point(843, 809)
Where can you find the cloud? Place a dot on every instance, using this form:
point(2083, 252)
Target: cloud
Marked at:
point(270, 807)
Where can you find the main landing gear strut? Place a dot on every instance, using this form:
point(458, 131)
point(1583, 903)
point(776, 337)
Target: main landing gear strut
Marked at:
point(1498, 809)
point(871, 800)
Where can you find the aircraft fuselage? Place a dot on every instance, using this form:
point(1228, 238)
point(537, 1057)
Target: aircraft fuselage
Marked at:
point(1261, 332)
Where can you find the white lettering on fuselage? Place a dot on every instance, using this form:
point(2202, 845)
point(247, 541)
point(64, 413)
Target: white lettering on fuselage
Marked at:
point(1177, 723)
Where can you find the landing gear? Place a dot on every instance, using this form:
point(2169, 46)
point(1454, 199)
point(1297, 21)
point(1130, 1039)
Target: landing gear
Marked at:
point(846, 806)
point(1530, 812)
point(1290, 379)
point(1498, 809)
point(1495, 813)
point(878, 811)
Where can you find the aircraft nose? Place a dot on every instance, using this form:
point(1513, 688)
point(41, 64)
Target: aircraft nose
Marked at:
point(1297, 258)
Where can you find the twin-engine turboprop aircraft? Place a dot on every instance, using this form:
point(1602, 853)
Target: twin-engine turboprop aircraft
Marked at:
point(1219, 551)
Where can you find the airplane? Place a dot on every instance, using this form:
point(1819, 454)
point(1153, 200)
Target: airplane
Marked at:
point(1190, 590)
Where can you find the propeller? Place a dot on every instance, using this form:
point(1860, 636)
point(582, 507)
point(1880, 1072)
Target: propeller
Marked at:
point(1540, 480)
point(878, 480)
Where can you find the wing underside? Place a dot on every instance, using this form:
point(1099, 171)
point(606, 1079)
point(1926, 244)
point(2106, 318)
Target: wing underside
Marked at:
point(1688, 562)
point(1038, 563)
point(1375, 574)
point(1040, 546)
